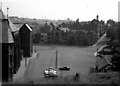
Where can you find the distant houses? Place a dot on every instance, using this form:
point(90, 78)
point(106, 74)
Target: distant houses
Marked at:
point(44, 31)
point(51, 33)
point(65, 32)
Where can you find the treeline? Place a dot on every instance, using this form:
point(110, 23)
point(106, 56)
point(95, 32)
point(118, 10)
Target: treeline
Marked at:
point(113, 33)
point(79, 33)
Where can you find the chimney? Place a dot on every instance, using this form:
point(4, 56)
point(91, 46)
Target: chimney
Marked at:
point(7, 12)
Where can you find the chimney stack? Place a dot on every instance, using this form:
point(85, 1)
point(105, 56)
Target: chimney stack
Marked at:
point(7, 12)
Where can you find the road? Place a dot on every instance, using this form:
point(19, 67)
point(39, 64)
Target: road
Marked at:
point(79, 59)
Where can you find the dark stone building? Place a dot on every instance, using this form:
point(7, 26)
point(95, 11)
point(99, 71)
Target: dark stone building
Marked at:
point(7, 47)
point(26, 40)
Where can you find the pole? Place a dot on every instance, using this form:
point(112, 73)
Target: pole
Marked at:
point(56, 60)
point(25, 61)
point(97, 61)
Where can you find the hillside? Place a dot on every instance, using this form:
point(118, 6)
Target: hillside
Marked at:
point(15, 19)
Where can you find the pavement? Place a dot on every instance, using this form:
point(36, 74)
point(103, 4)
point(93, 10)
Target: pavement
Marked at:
point(19, 76)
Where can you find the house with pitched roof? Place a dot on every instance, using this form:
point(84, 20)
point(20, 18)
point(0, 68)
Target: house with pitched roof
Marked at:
point(17, 45)
point(44, 31)
point(26, 40)
point(7, 46)
point(104, 63)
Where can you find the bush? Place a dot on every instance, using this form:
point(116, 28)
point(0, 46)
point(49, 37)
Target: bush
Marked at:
point(36, 38)
point(116, 62)
point(93, 70)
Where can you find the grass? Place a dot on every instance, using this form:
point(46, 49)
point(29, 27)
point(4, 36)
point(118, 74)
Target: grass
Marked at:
point(91, 78)
point(94, 78)
point(104, 78)
point(79, 59)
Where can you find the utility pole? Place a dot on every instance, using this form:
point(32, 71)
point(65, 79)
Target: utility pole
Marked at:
point(56, 60)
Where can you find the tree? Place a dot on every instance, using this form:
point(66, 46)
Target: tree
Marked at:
point(71, 40)
point(116, 62)
point(36, 37)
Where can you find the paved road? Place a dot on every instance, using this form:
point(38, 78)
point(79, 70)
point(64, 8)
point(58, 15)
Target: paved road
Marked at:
point(78, 59)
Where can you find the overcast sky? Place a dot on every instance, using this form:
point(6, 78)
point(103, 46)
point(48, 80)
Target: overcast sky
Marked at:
point(85, 10)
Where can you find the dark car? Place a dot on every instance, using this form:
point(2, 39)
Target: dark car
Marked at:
point(64, 68)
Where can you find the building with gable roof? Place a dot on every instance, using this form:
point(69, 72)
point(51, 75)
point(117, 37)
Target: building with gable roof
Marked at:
point(10, 43)
point(7, 46)
point(26, 40)
point(17, 46)
point(104, 63)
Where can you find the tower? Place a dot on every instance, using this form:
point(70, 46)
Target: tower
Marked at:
point(97, 17)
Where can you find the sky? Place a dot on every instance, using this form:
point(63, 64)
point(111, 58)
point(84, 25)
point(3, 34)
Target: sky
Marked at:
point(85, 10)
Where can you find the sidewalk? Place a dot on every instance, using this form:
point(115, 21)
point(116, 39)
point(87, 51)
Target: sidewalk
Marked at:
point(19, 76)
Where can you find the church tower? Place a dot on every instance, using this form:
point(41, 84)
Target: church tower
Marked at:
point(97, 17)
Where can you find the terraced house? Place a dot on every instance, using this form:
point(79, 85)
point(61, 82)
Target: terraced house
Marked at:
point(15, 43)
point(7, 46)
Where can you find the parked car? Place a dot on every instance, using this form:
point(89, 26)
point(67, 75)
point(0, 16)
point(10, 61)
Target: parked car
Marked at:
point(50, 72)
point(66, 68)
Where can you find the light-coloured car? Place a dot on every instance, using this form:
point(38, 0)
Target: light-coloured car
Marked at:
point(50, 72)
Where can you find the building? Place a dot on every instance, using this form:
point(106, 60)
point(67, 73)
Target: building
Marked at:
point(44, 37)
point(26, 40)
point(44, 31)
point(104, 63)
point(17, 45)
point(7, 46)
point(55, 35)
